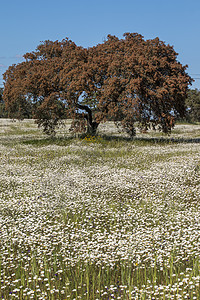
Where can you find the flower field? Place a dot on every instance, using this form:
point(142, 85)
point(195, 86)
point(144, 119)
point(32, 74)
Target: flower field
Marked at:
point(99, 217)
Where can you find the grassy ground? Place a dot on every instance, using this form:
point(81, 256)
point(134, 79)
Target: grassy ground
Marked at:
point(104, 217)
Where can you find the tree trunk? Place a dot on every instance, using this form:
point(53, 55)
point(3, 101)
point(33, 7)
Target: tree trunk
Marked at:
point(91, 126)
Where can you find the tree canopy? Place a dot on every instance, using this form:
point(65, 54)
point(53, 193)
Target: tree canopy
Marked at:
point(126, 80)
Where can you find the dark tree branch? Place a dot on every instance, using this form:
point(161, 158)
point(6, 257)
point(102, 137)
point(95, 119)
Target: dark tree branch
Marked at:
point(91, 126)
point(87, 109)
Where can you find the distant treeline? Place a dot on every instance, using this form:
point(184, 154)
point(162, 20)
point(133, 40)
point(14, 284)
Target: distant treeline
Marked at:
point(3, 113)
point(192, 104)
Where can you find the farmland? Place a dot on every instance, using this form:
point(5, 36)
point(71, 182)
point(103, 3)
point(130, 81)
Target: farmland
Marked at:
point(101, 217)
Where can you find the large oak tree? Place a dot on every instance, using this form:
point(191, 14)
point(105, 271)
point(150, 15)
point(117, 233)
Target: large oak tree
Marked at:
point(126, 80)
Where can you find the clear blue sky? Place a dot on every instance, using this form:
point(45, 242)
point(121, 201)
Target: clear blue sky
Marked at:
point(24, 24)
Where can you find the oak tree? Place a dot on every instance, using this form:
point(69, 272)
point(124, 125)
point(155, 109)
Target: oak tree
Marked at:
point(128, 80)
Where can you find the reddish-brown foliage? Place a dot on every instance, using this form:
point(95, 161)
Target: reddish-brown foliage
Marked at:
point(128, 80)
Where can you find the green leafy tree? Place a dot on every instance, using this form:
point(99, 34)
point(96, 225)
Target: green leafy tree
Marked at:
point(3, 113)
point(193, 105)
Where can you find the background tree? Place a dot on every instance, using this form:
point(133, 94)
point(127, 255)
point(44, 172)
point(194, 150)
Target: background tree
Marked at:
point(3, 113)
point(128, 80)
point(193, 105)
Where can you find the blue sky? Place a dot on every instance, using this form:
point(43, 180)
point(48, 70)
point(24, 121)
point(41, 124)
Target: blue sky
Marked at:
point(24, 24)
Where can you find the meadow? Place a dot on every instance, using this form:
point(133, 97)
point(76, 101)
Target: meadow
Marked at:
point(102, 217)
